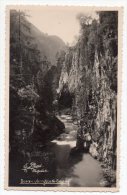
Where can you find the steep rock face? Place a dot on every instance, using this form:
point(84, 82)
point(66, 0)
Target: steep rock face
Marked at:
point(66, 68)
point(92, 77)
point(103, 128)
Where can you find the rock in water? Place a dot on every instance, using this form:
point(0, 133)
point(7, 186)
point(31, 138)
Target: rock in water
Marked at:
point(93, 150)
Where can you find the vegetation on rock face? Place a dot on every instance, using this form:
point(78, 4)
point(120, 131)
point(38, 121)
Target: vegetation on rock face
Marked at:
point(92, 78)
point(31, 89)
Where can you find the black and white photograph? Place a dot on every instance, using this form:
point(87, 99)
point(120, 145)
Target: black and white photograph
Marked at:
point(63, 97)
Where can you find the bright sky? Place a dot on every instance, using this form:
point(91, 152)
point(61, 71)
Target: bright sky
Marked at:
point(60, 21)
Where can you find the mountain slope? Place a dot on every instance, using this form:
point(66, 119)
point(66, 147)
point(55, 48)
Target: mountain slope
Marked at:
point(48, 45)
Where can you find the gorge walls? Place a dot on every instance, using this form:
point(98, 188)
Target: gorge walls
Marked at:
point(90, 71)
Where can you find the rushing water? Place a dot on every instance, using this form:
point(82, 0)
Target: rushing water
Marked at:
point(56, 166)
point(79, 170)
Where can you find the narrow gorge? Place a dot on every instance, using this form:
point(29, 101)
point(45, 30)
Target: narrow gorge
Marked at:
point(63, 103)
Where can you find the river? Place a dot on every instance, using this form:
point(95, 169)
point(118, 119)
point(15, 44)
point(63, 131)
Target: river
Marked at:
point(55, 165)
point(81, 169)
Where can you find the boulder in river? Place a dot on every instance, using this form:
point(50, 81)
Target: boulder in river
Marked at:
point(47, 129)
point(93, 150)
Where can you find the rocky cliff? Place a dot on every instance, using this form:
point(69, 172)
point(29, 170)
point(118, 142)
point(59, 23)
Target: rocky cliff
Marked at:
point(90, 71)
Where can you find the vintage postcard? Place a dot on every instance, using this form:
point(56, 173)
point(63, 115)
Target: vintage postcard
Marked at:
point(63, 87)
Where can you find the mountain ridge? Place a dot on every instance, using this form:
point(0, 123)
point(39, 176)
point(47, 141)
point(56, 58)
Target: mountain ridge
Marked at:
point(48, 45)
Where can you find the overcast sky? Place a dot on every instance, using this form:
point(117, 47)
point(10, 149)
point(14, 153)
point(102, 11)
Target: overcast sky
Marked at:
point(60, 21)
